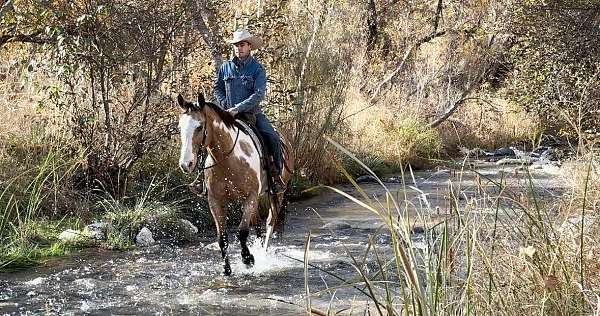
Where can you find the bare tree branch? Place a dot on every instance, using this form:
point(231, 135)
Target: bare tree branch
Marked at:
point(24, 38)
point(372, 25)
point(438, 15)
point(413, 48)
point(208, 31)
point(454, 106)
point(434, 33)
point(317, 25)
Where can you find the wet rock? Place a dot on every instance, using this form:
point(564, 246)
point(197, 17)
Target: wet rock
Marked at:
point(336, 225)
point(505, 151)
point(70, 235)
point(521, 154)
point(384, 239)
point(97, 231)
point(87, 283)
point(144, 238)
point(545, 154)
point(549, 155)
point(394, 180)
point(213, 246)
point(189, 227)
point(417, 230)
point(515, 161)
point(366, 179)
point(538, 151)
point(475, 152)
point(36, 281)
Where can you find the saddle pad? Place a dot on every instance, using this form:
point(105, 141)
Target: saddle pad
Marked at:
point(246, 129)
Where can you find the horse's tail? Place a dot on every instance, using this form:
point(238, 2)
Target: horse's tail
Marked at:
point(283, 208)
point(279, 202)
point(288, 163)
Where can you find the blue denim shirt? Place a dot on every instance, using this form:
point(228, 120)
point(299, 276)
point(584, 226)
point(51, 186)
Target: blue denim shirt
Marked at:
point(241, 87)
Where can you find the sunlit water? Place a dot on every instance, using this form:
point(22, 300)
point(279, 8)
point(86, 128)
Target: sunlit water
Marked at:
point(168, 279)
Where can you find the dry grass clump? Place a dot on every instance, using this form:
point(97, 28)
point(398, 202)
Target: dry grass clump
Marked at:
point(498, 249)
point(17, 103)
point(395, 137)
point(489, 124)
point(583, 177)
point(532, 261)
point(36, 161)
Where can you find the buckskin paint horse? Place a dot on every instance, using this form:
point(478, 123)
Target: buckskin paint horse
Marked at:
point(233, 173)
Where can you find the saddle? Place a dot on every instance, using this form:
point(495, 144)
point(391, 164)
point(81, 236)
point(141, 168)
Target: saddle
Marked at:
point(246, 122)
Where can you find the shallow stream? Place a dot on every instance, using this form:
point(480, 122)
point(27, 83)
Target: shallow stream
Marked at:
point(168, 279)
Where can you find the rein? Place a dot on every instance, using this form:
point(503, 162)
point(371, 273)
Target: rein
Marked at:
point(201, 158)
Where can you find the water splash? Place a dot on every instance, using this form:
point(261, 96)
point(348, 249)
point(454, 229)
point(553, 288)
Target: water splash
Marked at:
point(276, 259)
point(36, 281)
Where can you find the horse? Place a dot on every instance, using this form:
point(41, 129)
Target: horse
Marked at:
point(233, 172)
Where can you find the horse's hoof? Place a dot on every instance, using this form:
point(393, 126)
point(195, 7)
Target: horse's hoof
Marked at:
point(248, 260)
point(227, 270)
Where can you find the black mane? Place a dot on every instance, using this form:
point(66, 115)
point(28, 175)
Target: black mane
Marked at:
point(225, 116)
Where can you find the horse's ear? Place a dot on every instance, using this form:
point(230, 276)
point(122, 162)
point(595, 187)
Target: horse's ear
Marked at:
point(201, 101)
point(181, 101)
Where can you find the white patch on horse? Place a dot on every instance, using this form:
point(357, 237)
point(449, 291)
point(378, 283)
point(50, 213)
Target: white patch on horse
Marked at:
point(187, 126)
point(253, 159)
point(209, 161)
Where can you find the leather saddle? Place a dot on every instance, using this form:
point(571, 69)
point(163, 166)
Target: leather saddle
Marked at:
point(247, 124)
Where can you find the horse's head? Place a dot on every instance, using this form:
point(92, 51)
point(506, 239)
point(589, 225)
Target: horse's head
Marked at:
point(192, 126)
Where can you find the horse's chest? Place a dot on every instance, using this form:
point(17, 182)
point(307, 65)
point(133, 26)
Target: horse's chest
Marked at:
point(229, 184)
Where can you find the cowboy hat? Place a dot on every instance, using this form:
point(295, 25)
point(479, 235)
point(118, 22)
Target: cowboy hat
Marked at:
point(245, 36)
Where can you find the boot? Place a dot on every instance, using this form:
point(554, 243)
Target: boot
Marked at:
point(278, 184)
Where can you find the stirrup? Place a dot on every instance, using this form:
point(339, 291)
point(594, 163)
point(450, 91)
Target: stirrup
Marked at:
point(198, 188)
point(278, 185)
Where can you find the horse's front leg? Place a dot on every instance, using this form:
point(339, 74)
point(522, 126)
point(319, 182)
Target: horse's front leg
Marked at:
point(219, 214)
point(250, 217)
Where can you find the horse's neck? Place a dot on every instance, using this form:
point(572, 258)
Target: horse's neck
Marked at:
point(222, 138)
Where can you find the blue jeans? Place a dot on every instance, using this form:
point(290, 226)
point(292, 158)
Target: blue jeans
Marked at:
point(271, 139)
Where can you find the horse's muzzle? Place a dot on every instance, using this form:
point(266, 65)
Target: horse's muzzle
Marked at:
point(187, 167)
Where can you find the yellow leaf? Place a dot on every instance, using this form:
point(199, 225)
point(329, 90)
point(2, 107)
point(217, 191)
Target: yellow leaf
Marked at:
point(528, 251)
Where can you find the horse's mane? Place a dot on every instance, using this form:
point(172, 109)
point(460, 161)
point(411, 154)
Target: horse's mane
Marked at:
point(225, 116)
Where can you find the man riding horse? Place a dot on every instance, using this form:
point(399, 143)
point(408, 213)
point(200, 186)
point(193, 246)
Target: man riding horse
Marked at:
point(240, 86)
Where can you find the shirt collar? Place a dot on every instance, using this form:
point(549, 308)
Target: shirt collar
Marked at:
point(241, 64)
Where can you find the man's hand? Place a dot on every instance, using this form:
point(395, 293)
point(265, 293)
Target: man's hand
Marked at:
point(232, 111)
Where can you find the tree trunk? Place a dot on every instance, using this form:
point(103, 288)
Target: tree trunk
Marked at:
point(371, 25)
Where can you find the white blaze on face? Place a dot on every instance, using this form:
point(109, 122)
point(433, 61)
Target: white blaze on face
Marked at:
point(187, 127)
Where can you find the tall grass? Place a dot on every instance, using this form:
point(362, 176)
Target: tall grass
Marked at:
point(500, 251)
point(27, 233)
point(155, 208)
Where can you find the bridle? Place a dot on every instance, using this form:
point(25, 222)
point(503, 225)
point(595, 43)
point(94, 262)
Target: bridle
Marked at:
point(202, 154)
